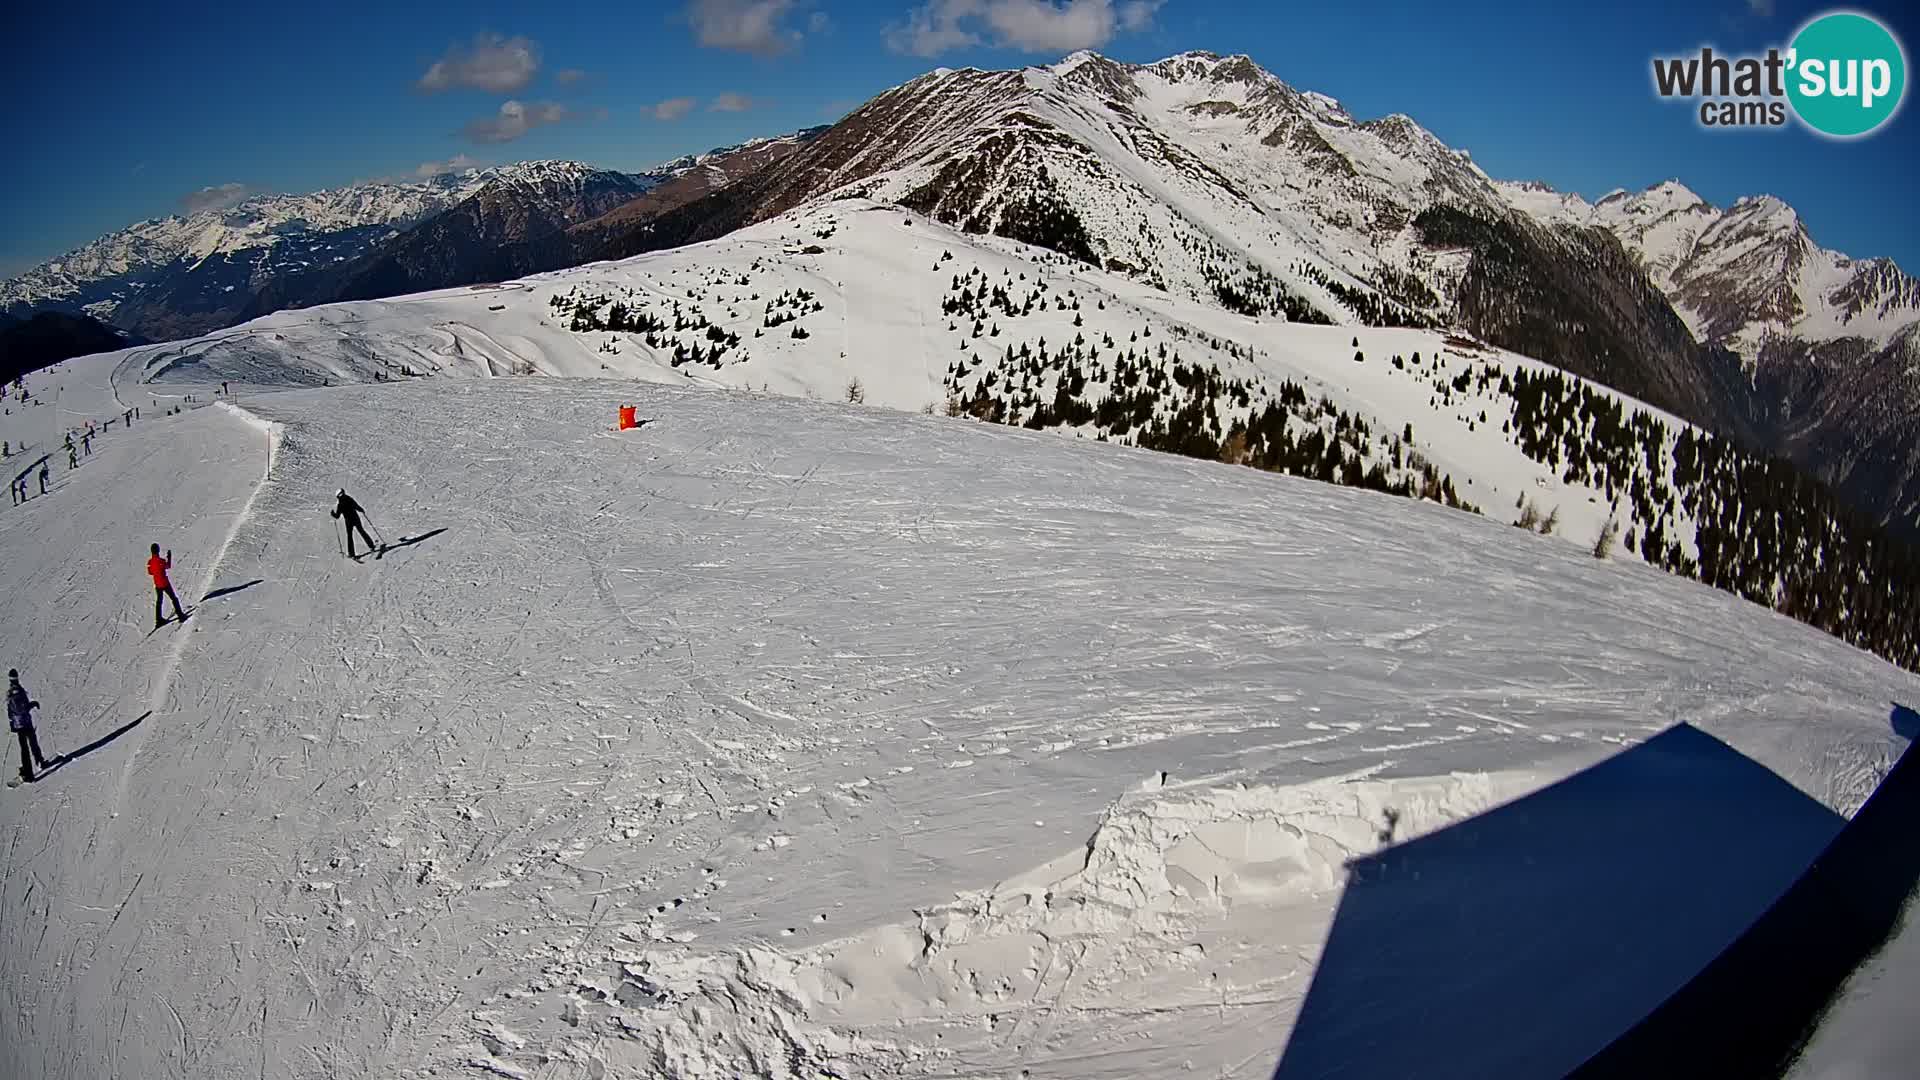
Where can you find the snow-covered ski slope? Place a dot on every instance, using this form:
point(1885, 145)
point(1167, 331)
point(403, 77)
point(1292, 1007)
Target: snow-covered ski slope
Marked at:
point(775, 738)
point(878, 285)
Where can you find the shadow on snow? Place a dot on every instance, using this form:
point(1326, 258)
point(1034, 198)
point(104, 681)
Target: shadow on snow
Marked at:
point(1753, 1010)
point(1522, 941)
point(230, 590)
point(60, 760)
point(1906, 722)
point(409, 541)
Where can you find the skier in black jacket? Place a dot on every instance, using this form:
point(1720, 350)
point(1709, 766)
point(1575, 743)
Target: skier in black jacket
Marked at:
point(20, 718)
point(349, 513)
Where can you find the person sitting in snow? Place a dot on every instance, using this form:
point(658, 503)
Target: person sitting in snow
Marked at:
point(20, 718)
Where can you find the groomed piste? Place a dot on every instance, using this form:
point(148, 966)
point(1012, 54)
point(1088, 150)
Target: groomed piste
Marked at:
point(793, 738)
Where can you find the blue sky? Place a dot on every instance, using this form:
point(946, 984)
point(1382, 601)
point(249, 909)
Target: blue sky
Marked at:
point(123, 111)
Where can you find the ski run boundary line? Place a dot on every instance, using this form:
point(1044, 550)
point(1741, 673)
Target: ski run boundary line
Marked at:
point(273, 432)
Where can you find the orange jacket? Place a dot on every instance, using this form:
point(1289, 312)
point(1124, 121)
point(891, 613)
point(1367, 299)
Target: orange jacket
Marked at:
point(157, 570)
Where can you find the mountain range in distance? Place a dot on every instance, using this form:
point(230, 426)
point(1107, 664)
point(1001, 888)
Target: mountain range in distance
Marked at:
point(1203, 175)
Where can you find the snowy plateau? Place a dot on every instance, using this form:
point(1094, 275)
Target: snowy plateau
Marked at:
point(790, 737)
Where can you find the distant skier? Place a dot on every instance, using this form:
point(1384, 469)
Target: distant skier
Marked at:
point(157, 568)
point(73, 457)
point(20, 718)
point(86, 441)
point(43, 476)
point(349, 513)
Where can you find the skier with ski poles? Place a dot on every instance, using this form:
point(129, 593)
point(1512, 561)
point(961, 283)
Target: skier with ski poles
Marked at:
point(20, 718)
point(162, 588)
point(350, 513)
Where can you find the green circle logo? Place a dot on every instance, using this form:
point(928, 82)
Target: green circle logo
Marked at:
point(1847, 74)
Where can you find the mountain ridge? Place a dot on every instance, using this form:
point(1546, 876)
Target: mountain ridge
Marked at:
point(1212, 179)
point(183, 274)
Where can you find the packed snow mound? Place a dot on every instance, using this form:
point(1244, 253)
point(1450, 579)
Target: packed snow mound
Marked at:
point(773, 738)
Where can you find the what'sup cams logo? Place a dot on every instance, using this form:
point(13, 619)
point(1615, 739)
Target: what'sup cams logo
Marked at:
point(1843, 76)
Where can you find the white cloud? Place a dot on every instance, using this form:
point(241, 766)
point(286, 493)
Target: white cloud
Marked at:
point(217, 197)
point(493, 63)
point(1026, 25)
point(456, 163)
point(515, 119)
point(568, 76)
point(1762, 8)
point(749, 26)
point(818, 23)
point(935, 28)
point(731, 102)
point(672, 109)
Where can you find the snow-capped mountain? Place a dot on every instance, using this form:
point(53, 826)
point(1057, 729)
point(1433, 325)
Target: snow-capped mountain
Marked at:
point(175, 276)
point(477, 238)
point(1830, 344)
point(180, 275)
point(264, 236)
point(1210, 178)
point(1743, 275)
point(1201, 173)
point(528, 223)
point(682, 180)
point(725, 164)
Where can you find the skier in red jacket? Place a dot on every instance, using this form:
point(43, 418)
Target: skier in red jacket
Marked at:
point(162, 588)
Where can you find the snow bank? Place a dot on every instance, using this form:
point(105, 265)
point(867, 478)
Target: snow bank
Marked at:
point(1131, 921)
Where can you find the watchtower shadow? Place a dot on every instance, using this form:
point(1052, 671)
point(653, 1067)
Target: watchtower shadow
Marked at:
point(1520, 942)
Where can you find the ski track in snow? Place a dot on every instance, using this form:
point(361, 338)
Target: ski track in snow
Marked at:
point(776, 736)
